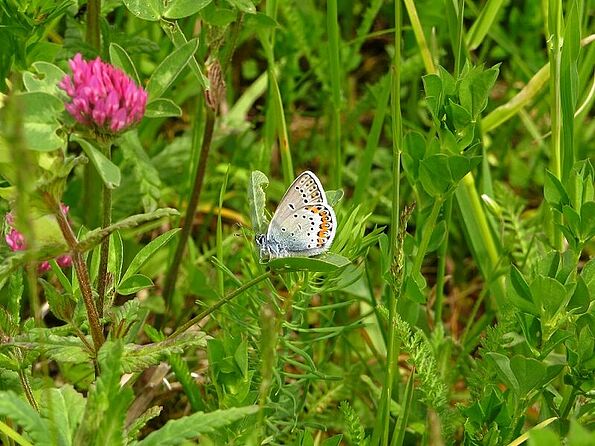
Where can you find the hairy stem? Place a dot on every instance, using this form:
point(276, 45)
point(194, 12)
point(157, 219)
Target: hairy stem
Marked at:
point(82, 274)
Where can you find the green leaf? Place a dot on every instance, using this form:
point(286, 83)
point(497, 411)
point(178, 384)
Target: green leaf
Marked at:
point(107, 403)
point(243, 5)
point(108, 171)
point(475, 86)
point(587, 225)
point(216, 16)
point(147, 252)
point(162, 108)
point(580, 300)
point(58, 348)
point(434, 174)
point(434, 96)
point(529, 372)
point(40, 112)
point(136, 358)
point(554, 192)
point(94, 237)
point(13, 407)
point(257, 183)
point(177, 9)
point(63, 408)
point(519, 284)
point(170, 68)
point(45, 79)
point(120, 58)
point(176, 431)
point(150, 10)
point(549, 294)
point(323, 264)
point(60, 304)
point(502, 365)
point(133, 284)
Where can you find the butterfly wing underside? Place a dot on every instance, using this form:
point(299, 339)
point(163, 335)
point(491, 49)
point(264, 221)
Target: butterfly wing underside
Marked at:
point(304, 223)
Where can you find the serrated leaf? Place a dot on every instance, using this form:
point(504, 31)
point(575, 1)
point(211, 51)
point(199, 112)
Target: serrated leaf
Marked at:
point(136, 358)
point(24, 415)
point(169, 69)
point(176, 431)
point(58, 348)
point(94, 237)
point(162, 108)
point(147, 252)
point(257, 183)
point(63, 408)
point(60, 304)
point(134, 283)
point(107, 403)
point(108, 171)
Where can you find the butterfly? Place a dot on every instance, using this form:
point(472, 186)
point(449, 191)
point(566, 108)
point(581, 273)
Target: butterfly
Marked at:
point(303, 225)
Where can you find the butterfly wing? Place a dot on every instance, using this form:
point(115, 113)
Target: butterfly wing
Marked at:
point(307, 231)
point(305, 190)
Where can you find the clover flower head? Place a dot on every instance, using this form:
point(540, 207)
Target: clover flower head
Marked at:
point(102, 96)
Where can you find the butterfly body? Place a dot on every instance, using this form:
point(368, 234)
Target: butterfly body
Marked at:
point(303, 225)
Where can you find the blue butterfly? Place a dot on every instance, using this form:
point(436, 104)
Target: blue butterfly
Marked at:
point(303, 225)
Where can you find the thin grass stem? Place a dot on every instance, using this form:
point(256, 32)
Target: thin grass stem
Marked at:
point(332, 27)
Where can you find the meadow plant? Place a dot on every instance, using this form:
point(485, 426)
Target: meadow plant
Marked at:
point(453, 141)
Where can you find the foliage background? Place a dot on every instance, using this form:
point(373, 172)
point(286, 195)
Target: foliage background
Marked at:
point(481, 297)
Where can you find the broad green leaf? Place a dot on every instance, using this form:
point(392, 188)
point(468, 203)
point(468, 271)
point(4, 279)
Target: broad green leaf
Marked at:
point(21, 412)
point(257, 183)
point(40, 112)
point(333, 197)
point(502, 365)
point(323, 264)
point(475, 86)
point(434, 95)
point(94, 237)
point(335, 440)
point(434, 174)
point(175, 432)
point(63, 408)
point(216, 16)
point(120, 58)
point(108, 171)
point(554, 192)
point(170, 68)
point(529, 372)
point(519, 284)
point(162, 108)
point(548, 293)
point(177, 9)
point(133, 284)
point(580, 300)
point(243, 5)
point(45, 79)
point(150, 10)
point(147, 252)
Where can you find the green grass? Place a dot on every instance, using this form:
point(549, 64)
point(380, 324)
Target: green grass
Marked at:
point(455, 142)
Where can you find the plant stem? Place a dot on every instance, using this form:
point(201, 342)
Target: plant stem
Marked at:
point(442, 263)
point(220, 303)
point(427, 234)
point(93, 32)
point(82, 274)
point(104, 255)
point(555, 56)
point(332, 27)
point(396, 248)
point(172, 274)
